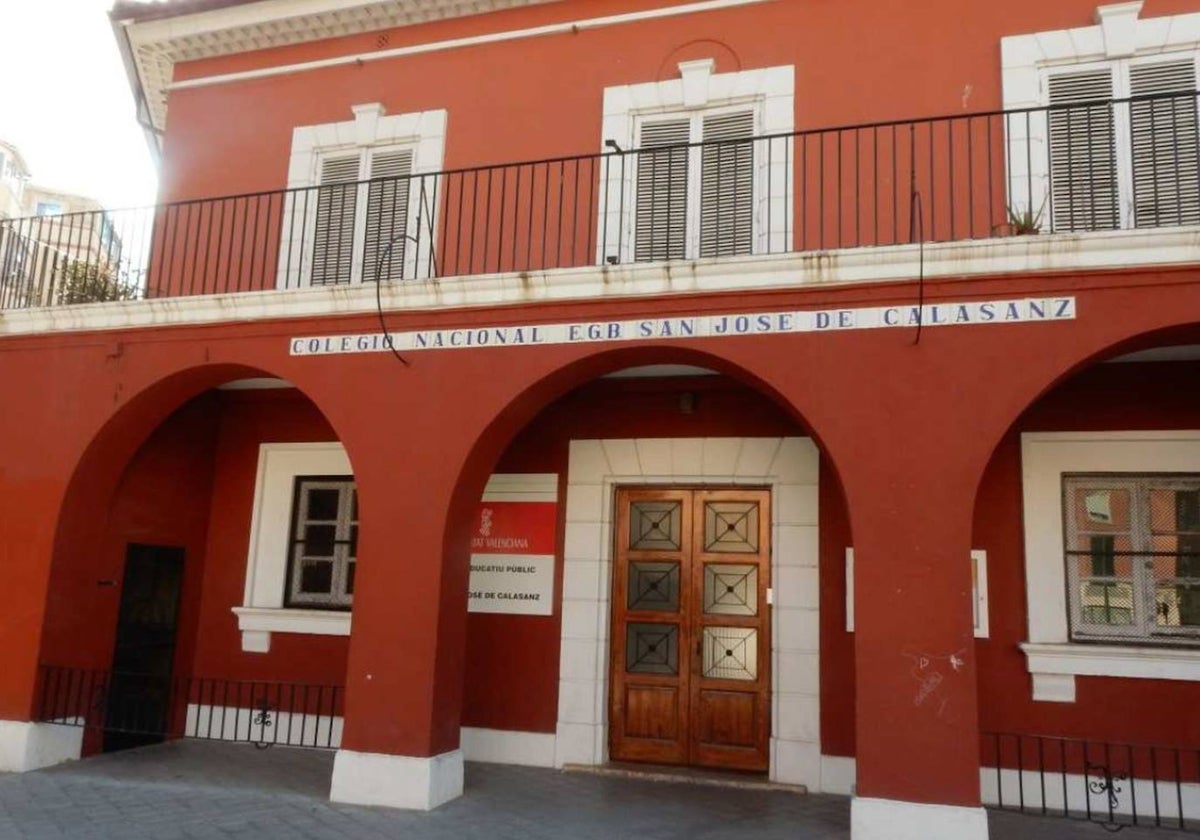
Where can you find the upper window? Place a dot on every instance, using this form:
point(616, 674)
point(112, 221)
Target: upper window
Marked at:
point(1128, 159)
point(49, 208)
point(1102, 129)
point(362, 199)
point(323, 543)
point(698, 166)
point(1132, 549)
point(695, 185)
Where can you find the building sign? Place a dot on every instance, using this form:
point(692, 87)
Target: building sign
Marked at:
point(512, 547)
point(968, 313)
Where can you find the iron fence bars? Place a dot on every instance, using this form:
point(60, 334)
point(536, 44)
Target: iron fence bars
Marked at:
point(1116, 785)
point(1084, 165)
point(260, 712)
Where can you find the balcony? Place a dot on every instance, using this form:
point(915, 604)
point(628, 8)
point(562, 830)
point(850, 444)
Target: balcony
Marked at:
point(1094, 166)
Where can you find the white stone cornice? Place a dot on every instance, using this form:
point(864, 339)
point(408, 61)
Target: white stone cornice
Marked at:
point(971, 259)
point(158, 44)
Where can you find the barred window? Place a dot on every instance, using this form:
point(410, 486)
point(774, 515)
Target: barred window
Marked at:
point(1133, 557)
point(324, 543)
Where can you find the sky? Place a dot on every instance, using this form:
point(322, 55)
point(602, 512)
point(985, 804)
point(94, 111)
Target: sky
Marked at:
point(67, 104)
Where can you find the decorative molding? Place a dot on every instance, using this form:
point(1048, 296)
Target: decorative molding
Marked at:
point(1137, 662)
point(1020, 255)
point(790, 467)
point(155, 46)
point(1119, 23)
point(1053, 688)
point(279, 620)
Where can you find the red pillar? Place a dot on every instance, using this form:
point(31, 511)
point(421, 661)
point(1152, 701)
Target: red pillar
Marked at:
point(404, 678)
point(917, 712)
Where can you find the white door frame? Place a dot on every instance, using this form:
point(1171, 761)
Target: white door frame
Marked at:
point(789, 466)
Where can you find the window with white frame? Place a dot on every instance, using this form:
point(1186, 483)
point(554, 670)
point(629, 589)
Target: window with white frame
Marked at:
point(1128, 159)
point(1097, 508)
point(323, 543)
point(698, 166)
point(1132, 550)
point(303, 544)
point(1118, 146)
point(362, 201)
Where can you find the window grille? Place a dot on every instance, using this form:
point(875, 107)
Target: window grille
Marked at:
point(324, 543)
point(1133, 557)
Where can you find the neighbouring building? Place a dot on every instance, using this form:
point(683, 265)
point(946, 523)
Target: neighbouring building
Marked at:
point(807, 389)
point(57, 248)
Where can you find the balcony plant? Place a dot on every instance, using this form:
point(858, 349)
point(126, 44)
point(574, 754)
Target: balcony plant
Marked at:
point(1023, 220)
point(82, 282)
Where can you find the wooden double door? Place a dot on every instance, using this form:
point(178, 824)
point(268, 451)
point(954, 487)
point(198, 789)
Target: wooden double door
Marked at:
point(690, 669)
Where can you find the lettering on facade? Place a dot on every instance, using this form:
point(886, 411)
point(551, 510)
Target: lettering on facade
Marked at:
point(972, 313)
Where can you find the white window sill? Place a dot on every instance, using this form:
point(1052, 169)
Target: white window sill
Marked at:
point(258, 623)
point(1055, 666)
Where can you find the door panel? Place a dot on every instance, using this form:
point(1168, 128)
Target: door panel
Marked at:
point(730, 702)
point(650, 647)
point(690, 628)
point(137, 707)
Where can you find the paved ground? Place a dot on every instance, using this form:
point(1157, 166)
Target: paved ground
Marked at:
point(207, 791)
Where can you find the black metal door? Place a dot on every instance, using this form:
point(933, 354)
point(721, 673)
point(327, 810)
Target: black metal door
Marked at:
point(138, 703)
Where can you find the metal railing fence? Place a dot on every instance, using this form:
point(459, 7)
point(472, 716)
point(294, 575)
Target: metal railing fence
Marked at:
point(260, 712)
point(1116, 785)
point(1086, 166)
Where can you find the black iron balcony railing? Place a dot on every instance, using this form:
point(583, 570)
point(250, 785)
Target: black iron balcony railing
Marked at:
point(1091, 166)
point(1116, 785)
point(142, 707)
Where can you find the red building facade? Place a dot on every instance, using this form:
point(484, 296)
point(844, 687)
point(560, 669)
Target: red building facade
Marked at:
point(724, 383)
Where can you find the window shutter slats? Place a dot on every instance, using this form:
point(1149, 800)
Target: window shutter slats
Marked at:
point(1083, 159)
point(1163, 134)
point(333, 236)
point(662, 180)
point(387, 215)
point(727, 185)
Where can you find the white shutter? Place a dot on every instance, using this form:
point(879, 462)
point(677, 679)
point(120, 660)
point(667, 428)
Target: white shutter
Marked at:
point(333, 235)
point(727, 186)
point(1163, 137)
point(387, 215)
point(1083, 160)
point(662, 179)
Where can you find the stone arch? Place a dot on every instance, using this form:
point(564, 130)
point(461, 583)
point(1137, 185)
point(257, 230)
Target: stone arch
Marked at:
point(82, 539)
point(788, 464)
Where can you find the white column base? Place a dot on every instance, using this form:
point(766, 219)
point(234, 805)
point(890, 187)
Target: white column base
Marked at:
point(30, 746)
point(891, 819)
point(502, 746)
point(396, 781)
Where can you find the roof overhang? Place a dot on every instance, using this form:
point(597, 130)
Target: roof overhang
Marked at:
point(154, 37)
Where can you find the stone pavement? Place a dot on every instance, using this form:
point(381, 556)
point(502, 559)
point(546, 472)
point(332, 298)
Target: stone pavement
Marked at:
point(206, 791)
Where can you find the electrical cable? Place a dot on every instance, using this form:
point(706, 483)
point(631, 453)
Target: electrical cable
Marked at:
point(917, 222)
point(916, 230)
point(386, 258)
point(387, 336)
